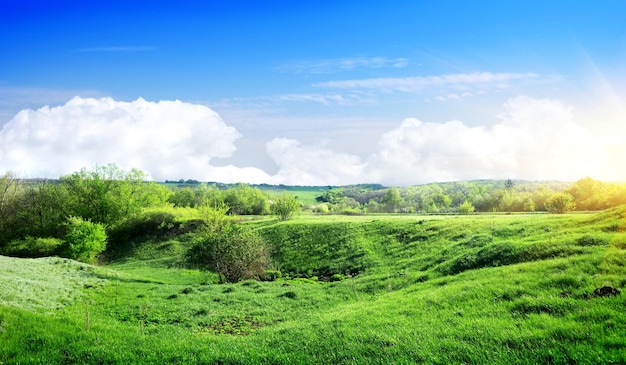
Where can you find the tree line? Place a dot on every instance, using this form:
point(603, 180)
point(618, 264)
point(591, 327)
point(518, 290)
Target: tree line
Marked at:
point(585, 194)
point(78, 214)
point(81, 214)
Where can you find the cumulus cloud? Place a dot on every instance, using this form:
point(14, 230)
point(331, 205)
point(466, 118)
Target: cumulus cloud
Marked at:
point(313, 165)
point(167, 139)
point(534, 139)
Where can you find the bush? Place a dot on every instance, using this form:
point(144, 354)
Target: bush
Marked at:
point(320, 208)
point(351, 211)
point(560, 203)
point(272, 275)
point(466, 208)
point(33, 247)
point(233, 252)
point(285, 206)
point(84, 240)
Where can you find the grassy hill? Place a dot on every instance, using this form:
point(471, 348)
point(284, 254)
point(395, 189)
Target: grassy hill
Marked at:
point(506, 289)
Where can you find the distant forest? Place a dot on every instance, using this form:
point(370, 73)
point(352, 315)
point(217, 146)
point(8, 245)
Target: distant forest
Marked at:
point(508, 195)
point(44, 215)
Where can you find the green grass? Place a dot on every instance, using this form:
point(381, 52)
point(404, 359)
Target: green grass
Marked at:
point(498, 289)
point(306, 195)
point(46, 284)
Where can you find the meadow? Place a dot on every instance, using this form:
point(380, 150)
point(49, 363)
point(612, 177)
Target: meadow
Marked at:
point(371, 289)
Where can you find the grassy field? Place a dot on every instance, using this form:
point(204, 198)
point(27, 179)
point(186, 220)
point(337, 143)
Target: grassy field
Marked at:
point(497, 289)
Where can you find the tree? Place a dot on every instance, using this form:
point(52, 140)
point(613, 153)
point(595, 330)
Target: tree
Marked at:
point(233, 252)
point(43, 210)
point(331, 196)
point(93, 194)
point(84, 240)
point(245, 200)
point(284, 206)
point(466, 207)
point(9, 196)
point(391, 199)
point(590, 194)
point(509, 184)
point(108, 194)
point(560, 203)
point(183, 197)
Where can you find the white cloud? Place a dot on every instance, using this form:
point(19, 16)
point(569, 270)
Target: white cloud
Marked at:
point(318, 98)
point(312, 165)
point(534, 139)
point(168, 140)
point(342, 64)
point(461, 82)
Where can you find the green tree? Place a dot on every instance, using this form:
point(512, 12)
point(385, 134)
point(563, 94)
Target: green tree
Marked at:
point(391, 199)
point(108, 194)
point(183, 197)
point(560, 203)
point(84, 240)
point(245, 200)
point(9, 198)
point(331, 196)
point(234, 253)
point(466, 207)
point(590, 194)
point(284, 206)
point(43, 210)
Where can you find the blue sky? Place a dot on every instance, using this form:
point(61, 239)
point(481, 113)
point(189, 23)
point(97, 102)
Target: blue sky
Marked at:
point(315, 92)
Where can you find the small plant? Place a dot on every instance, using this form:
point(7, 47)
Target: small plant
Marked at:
point(337, 277)
point(272, 275)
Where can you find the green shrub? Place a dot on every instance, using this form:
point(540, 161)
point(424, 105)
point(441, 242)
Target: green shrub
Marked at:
point(84, 240)
point(272, 275)
point(337, 277)
point(235, 253)
point(320, 208)
point(285, 206)
point(560, 203)
point(466, 208)
point(32, 247)
point(351, 211)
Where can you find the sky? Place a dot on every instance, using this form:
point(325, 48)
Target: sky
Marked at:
point(315, 92)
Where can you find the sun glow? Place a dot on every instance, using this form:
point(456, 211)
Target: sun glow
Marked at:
point(601, 108)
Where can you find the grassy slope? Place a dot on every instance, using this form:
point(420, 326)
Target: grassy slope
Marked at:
point(475, 289)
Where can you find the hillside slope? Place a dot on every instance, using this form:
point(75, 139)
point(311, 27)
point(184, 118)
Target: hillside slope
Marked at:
point(498, 289)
